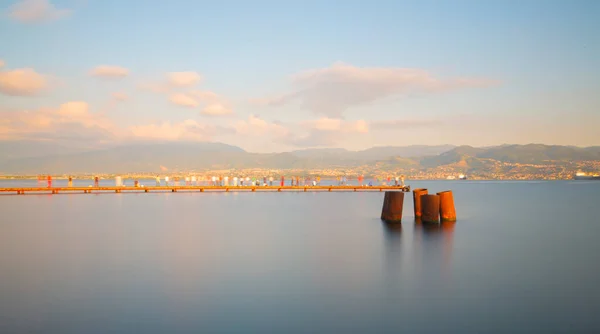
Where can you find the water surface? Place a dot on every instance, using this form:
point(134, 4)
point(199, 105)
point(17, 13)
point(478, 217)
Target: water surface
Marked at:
point(523, 257)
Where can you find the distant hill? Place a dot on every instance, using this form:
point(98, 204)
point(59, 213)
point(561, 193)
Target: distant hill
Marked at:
point(10, 150)
point(138, 157)
point(538, 153)
point(152, 158)
point(382, 152)
point(374, 153)
point(455, 155)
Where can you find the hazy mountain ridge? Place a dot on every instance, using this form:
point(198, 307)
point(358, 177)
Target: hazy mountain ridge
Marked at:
point(200, 156)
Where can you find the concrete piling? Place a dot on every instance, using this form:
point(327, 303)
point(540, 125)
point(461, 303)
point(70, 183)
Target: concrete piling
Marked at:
point(392, 206)
point(417, 193)
point(430, 208)
point(447, 211)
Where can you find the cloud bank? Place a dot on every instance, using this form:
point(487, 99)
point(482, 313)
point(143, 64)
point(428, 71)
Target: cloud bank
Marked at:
point(332, 90)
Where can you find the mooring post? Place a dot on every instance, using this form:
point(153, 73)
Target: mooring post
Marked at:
point(392, 206)
point(417, 193)
point(447, 210)
point(431, 208)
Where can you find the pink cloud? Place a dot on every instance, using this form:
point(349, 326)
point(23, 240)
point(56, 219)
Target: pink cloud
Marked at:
point(109, 71)
point(69, 120)
point(184, 100)
point(183, 79)
point(398, 124)
point(22, 82)
point(30, 11)
point(186, 130)
point(216, 109)
point(337, 125)
point(119, 96)
point(256, 126)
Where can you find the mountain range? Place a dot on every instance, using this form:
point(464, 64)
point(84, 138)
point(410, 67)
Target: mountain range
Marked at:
point(27, 158)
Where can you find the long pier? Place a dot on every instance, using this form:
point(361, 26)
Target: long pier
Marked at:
point(113, 189)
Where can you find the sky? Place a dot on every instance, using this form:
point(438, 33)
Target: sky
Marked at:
point(283, 75)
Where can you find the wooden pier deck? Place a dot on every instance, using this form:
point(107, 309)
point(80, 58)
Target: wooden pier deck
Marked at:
point(86, 190)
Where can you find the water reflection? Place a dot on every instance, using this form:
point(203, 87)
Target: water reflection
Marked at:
point(434, 241)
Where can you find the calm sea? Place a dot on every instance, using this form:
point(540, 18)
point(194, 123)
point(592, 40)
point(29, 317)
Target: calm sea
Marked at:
point(524, 257)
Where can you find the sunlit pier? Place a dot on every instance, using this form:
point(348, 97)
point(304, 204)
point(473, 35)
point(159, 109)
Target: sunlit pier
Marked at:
point(143, 189)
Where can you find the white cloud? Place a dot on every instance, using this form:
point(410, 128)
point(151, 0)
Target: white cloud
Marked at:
point(22, 82)
point(216, 109)
point(183, 79)
point(182, 99)
point(186, 130)
point(330, 91)
point(36, 11)
point(109, 71)
point(1, 63)
point(119, 96)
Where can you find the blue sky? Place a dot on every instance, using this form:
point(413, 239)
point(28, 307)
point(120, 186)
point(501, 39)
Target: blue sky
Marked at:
point(281, 75)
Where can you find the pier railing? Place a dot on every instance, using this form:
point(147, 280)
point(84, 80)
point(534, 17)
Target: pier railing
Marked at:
point(144, 189)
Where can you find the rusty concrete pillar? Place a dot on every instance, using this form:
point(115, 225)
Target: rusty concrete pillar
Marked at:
point(447, 211)
point(430, 208)
point(392, 206)
point(417, 193)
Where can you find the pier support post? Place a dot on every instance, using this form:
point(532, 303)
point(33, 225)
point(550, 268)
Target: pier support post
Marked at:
point(417, 193)
point(447, 210)
point(431, 208)
point(392, 206)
